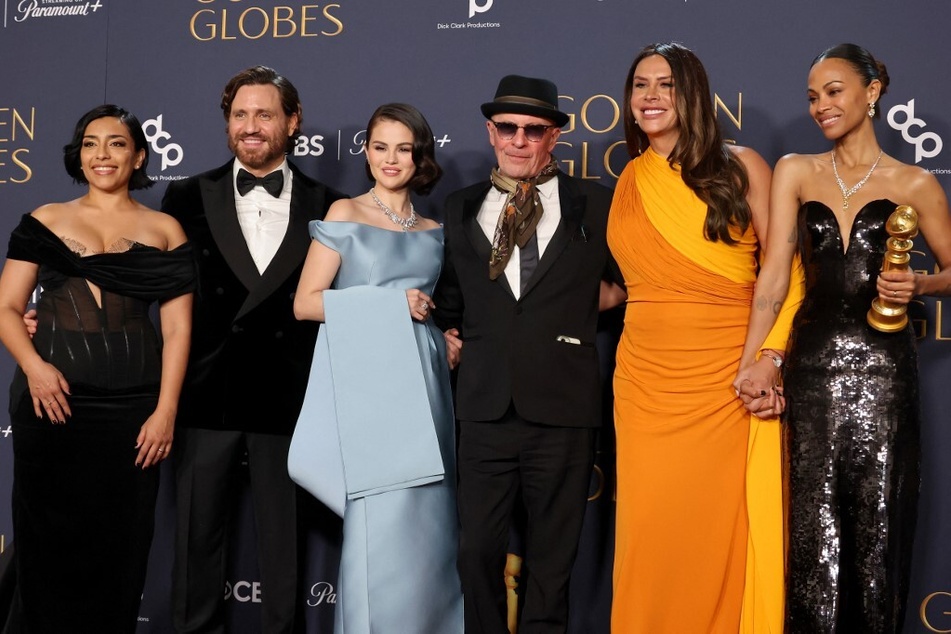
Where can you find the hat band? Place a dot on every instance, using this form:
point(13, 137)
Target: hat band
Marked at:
point(528, 101)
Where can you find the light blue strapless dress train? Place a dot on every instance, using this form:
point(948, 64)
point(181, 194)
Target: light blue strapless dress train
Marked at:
point(375, 440)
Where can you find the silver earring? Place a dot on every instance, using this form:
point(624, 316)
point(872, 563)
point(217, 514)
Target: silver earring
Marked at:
point(871, 109)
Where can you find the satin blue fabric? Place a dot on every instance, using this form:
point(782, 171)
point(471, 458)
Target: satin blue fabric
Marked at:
point(375, 438)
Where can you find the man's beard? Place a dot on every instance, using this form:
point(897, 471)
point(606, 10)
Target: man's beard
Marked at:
point(271, 151)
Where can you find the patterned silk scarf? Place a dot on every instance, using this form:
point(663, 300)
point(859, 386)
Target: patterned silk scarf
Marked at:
point(520, 214)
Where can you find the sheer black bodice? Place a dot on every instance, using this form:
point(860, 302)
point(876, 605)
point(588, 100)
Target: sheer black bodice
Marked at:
point(112, 346)
point(851, 437)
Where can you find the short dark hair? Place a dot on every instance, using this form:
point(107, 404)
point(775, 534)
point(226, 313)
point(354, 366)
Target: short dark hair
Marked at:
point(867, 67)
point(263, 76)
point(428, 171)
point(72, 150)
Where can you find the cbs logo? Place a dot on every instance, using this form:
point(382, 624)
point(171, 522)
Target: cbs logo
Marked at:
point(171, 153)
point(907, 110)
point(243, 591)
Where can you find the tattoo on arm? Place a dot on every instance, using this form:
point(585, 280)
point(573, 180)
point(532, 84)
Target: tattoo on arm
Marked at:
point(777, 307)
point(793, 236)
point(761, 303)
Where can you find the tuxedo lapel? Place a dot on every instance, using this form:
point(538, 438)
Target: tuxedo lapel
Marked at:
point(569, 228)
point(217, 193)
point(305, 205)
point(476, 237)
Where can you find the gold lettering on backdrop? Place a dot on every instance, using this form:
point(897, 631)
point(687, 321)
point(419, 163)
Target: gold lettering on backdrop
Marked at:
point(15, 118)
point(16, 125)
point(210, 25)
point(255, 22)
point(27, 171)
point(737, 119)
point(922, 612)
point(288, 18)
point(264, 22)
point(570, 126)
point(333, 19)
point(615, 114)
point(608, 154)
point(599, 474)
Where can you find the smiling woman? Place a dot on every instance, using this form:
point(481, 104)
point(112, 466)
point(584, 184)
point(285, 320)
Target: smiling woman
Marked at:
point(94, 397)
point(369, 276)
point(852, 428)
point(688, 216)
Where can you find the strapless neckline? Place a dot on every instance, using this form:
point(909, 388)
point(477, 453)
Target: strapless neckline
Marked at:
point(844, 248)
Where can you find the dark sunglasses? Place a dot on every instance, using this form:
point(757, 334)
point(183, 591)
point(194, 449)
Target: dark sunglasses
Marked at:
point(534, 132)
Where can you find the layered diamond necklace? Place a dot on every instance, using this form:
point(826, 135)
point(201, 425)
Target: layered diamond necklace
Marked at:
point(405, 223)
point(847, 192)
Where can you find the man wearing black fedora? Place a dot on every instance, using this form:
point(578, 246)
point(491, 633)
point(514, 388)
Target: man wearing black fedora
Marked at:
point(518, 297)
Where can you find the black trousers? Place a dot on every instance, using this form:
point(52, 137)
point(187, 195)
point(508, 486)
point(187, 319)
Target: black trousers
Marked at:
point(206, 466)
point(549, 469)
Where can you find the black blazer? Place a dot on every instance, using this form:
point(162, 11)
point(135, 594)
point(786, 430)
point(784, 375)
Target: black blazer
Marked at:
point(250, 358)
point(537, 352)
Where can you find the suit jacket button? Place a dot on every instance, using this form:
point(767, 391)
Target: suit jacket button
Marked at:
point(205, 252)
point(219, 291)
point(236, 328)
point(518, 310)
point(278, 334)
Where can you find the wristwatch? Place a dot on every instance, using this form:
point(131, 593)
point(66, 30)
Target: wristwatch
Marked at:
point(775, 358)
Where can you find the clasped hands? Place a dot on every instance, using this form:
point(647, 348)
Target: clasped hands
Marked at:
point(757, 385)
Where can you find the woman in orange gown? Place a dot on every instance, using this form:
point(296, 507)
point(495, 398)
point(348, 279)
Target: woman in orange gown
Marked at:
point(688, 216)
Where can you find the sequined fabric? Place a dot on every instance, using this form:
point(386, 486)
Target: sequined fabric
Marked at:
point(852, 437)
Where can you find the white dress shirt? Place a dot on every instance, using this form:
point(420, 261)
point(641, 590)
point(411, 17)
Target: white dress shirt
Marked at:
point(263, 218)
point(551, 214)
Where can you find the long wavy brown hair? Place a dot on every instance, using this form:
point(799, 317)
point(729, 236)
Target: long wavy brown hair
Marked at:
point(707, 165)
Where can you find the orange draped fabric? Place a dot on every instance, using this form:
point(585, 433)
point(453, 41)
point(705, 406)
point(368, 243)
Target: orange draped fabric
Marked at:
point(683, 438)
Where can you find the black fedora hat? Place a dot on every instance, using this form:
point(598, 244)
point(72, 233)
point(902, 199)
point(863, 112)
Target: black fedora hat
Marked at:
point(526, 95)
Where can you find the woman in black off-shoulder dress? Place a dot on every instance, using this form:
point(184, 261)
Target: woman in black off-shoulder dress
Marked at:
point(851, 423)
point(94, 396)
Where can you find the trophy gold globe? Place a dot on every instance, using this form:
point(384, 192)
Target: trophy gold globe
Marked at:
point(902, 226)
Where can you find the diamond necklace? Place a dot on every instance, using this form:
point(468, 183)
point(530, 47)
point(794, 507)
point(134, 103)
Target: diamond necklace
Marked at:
point(406, 223)
point(847, 192)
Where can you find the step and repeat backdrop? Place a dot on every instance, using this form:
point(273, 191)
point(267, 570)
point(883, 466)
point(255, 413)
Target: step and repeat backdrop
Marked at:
point(167, 61)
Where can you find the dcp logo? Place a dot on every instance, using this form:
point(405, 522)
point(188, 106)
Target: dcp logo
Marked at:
point(475, 7)
point(911, 121)
point(171, 153)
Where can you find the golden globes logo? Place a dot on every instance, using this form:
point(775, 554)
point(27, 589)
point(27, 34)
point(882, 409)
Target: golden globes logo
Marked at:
point(234, 19)
point(17, 127)
point(602, 114)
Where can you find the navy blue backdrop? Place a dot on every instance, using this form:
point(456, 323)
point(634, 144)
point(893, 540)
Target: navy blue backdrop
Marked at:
point(167, 60)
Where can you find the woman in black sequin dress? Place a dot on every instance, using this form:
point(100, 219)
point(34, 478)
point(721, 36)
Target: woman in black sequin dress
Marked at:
point(852, 435)
point(95, 393)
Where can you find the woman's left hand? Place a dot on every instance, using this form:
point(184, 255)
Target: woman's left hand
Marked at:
point(155, 439)
point(757, 385)
point(420, 304)
point(896, 287)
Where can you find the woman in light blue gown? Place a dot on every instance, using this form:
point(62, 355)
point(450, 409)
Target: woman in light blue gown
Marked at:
point(375, 438)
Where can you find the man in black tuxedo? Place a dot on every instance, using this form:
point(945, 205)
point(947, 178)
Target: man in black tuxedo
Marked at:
point(250, 357)
point(525, 259)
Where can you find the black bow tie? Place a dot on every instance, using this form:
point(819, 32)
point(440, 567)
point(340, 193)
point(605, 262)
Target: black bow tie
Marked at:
point(273, 182)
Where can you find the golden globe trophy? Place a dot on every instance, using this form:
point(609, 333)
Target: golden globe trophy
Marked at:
point(902, 226)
